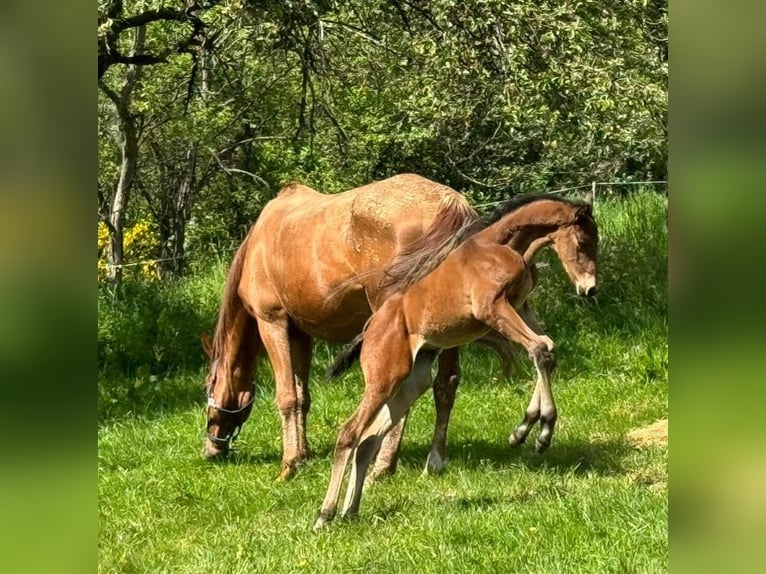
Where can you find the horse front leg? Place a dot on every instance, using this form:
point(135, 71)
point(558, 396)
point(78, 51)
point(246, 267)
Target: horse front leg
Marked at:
point(290, 354)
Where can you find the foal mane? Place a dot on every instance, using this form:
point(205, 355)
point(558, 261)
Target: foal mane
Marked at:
point(424, 255)
point(520, 201)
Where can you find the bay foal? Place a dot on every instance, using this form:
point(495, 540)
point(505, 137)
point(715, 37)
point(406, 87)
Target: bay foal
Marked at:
point(478, 287)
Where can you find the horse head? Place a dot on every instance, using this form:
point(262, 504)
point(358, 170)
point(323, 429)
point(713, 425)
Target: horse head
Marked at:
point(228, 406)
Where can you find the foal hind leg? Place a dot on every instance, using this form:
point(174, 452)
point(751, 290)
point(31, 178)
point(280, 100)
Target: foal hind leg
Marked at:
point(445, 387)
point(386, 362)
point(386, 420)
point(388, 453)
point(290, 355)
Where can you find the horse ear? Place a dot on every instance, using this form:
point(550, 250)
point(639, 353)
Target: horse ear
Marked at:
point(207, 345)
point(588, 199)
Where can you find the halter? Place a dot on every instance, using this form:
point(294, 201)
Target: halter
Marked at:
point(212, 404)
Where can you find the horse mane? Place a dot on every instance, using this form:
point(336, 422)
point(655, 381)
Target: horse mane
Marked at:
point(230, 303)
point(425, 253)
point(446, 234)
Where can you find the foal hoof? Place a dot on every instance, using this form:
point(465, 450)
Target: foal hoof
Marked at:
point(288, 471)
point(321, 522)
point(515, 440)
point(541, 447)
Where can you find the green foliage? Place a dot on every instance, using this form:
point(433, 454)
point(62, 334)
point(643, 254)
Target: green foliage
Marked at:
point(493, 98)
point(150, 329)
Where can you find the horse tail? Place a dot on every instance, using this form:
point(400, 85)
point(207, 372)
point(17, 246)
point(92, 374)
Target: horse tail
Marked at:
point(452, 225)
point(347, 357)
point(233, 316)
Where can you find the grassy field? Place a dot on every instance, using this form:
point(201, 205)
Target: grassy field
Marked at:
point(591, 503)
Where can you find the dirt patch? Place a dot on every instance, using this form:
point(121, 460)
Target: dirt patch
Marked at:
point(653, 434)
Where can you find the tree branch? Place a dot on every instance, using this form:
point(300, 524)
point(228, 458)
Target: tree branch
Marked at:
point(110, 29)
point(110, 93)
point(231, 170)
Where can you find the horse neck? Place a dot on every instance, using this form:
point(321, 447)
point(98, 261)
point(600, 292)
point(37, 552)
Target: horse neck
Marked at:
point(520, 228)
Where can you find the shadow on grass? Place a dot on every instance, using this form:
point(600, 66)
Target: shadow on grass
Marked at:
point(605, 458)
point(251, 455)
point(579, 457)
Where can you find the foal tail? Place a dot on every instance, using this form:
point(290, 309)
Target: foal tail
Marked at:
point(347, 357)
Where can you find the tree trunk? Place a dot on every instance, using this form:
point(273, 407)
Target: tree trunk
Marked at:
point(128, 124)
point(176, 213)
point(129, 148)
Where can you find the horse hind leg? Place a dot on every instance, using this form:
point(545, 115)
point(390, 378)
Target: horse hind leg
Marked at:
point(445, 387)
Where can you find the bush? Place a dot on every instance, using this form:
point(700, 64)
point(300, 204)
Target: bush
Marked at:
point(155, 328)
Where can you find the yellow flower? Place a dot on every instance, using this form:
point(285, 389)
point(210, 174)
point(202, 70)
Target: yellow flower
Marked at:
point(140, 245)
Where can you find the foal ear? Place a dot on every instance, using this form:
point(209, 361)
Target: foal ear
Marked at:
point(588, 198)
point(207, 345)
point(584, 212)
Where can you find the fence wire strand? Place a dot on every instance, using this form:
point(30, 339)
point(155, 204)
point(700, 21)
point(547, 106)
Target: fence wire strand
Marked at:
point(592, 185)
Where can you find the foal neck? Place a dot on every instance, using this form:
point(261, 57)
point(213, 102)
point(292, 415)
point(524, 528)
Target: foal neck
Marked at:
point(525, 225)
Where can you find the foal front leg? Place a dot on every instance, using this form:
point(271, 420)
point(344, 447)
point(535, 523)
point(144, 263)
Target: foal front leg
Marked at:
point(502, 317)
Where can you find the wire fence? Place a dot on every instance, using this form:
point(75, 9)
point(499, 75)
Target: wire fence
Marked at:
point(593, 186)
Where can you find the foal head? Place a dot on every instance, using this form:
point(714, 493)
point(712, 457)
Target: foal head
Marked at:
point(576, 244)
point(230, 396)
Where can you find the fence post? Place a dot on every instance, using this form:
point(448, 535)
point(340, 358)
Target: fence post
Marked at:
point(593, 192)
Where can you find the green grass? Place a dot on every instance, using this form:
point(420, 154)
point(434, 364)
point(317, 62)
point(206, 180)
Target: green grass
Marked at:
point(591, 503)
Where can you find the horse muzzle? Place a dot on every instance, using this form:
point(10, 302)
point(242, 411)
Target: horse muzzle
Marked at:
point(214, 450)
point(587, 287)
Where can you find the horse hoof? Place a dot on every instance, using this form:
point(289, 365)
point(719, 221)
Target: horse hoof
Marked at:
point(214, 454)
point(435, 464)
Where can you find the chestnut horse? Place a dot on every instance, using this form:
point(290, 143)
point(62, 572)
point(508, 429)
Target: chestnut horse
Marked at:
point(311, 268)
point(480, 286)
